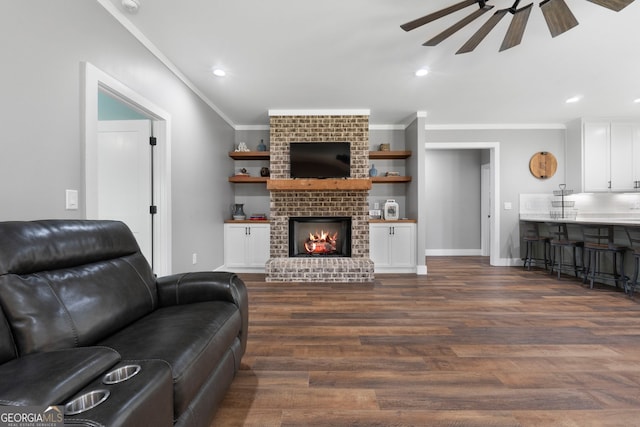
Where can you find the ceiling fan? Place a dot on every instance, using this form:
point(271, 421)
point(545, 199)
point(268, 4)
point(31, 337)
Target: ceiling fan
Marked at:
point(556, 13)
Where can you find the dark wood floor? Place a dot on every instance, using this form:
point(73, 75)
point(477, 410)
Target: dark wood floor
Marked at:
point(467, 345)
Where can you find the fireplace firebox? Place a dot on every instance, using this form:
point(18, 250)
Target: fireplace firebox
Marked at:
point(320, 236)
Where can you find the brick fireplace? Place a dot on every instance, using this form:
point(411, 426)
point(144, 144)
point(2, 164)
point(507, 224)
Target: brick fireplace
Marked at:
point(319, 202)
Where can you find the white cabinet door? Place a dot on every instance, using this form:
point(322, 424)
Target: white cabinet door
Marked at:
point(636, 157)
point(258, 245)
point(403, 245)
point(379, 236)
point(596, 156)
point(246, 245)
point(622, 169)
point(235, 236)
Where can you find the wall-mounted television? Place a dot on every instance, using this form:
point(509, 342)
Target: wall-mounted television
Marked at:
point(320, 159)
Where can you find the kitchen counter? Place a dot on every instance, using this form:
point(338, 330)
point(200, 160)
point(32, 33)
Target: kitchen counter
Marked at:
point(621, 221)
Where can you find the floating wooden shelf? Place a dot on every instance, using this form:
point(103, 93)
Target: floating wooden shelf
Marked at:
point(389, 154)
point(390, 179)
point(249, 155)
point(318, 184)
point(239, 179)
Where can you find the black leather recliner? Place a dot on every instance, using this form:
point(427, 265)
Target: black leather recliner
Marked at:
point(78, 300)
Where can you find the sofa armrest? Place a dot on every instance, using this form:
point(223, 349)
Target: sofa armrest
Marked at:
point(188, 288)
point(50, 378)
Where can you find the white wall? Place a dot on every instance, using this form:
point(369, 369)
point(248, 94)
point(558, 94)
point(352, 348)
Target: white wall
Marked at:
point(43, 45)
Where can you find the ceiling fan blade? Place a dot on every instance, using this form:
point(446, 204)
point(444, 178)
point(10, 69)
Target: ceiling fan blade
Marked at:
point(457, 26)
point(516, 28)
point(435, 15)
point(615, 5)
point(558, 16)
point(475, 40)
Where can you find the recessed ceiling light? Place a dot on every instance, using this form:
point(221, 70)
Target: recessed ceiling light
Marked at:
point(219, 72)
point(131, 6)
point(573, 99)
point(637, 100)
point(422, 72)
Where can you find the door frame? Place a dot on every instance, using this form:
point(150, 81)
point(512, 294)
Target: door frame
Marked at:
point(494, 150)
point(94, 80)
point(485, 202)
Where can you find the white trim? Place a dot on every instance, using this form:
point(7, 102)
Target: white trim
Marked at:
point(496, 126)
point(312, 112)
point(387, 127)
point(95, 79)
point(453, 252)
point(252, 127)
point(128, 25)
point(494, 148)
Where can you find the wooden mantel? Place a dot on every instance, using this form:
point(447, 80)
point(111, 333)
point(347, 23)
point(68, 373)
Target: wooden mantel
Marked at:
point(318, 184)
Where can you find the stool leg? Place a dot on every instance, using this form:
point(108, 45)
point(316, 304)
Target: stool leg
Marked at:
point(636, 267)
point(587, 266)
point(561, 261)
point(575, 261)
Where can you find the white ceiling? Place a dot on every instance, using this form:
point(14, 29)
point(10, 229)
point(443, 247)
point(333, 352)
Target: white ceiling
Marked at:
point(352, 54)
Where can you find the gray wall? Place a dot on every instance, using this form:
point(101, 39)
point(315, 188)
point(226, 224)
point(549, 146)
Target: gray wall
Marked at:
point(40, 109)
point(516, 148)
point(453, 199)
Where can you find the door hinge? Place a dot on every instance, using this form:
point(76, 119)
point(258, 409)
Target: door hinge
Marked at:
point(153, 209)
point(153, 141)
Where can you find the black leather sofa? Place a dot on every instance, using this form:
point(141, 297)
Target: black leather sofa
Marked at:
point(79, 301)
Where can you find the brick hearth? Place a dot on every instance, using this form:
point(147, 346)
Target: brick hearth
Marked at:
point(352, 203)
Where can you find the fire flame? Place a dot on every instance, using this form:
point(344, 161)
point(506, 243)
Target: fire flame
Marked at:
point(322, 242)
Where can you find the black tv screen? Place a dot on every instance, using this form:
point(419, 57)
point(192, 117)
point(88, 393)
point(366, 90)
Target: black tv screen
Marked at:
point(320, 159)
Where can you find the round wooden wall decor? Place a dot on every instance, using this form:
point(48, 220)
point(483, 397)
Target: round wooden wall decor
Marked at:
point(543, 165)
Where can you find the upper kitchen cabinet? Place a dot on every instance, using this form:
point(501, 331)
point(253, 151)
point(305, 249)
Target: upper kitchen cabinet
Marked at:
point(603, 156)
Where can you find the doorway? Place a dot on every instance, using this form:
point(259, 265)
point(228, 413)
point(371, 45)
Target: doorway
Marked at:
point(494, 180)
point(96, 81)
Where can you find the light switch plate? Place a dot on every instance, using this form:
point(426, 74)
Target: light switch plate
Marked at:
point(71, 199)
point(508, 206)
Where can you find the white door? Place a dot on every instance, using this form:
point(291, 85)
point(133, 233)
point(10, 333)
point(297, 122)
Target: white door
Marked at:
point(124, 177)
point(485, 210)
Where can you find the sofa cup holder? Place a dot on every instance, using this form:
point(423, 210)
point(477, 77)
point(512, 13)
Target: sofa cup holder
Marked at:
point(86, 401)
point(121, 374)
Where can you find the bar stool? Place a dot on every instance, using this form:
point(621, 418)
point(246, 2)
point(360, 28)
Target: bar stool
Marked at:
point(634, 241)
point(532, 238)
point(598, 240)
point(560, 240)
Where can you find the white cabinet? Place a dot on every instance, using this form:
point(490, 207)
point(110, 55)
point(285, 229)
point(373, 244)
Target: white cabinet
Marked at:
point(246, 246)
point(392, 247)
point(603, 156)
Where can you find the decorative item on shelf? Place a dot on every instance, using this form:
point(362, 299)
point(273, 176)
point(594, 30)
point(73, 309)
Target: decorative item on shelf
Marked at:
point(261, 146)
point(373, 171)
point(375, 214)
point(242, 172)
point(237, 211)
point(258, 217)
point(385, 147)
point(391, 173)
point(391, 210)
point(242, 147)
point(264, 172)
